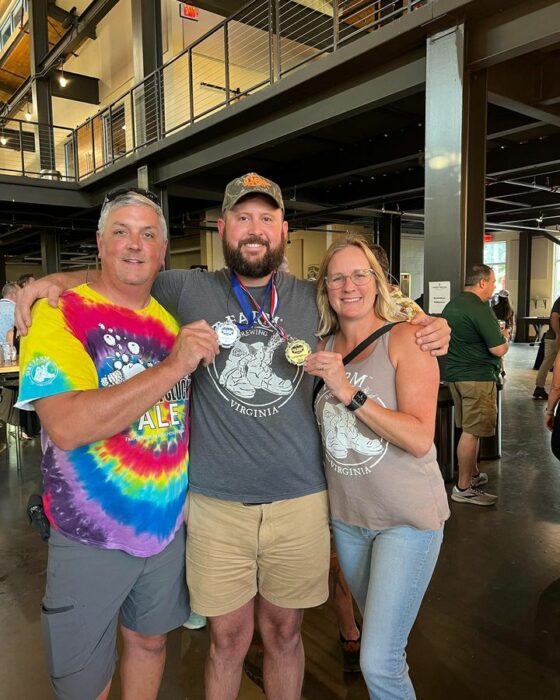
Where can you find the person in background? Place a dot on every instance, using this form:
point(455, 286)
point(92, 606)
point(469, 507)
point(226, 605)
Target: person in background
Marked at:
point(551, 340)
point(553, 395)
point(503, 310)
point(377, 416)
point(472, 370)
point(7, 310)
point(24, 280)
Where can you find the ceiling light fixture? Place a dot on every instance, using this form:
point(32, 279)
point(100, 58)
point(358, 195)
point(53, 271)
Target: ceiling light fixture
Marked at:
point(28, 114)
point(3, 138)
point(62, 81)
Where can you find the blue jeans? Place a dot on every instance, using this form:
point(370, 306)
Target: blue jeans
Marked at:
point(388, 572)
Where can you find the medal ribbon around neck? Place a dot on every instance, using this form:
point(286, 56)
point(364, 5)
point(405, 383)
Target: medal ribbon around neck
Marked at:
point(296, 350)
point(243, 295)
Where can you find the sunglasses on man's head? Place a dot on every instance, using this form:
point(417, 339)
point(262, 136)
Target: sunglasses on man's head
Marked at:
point(122, 191)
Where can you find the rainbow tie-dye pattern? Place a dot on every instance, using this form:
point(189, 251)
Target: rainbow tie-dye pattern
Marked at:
point(126, 492)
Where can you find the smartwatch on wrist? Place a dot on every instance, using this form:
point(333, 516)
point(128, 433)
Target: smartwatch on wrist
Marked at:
point(358, 400)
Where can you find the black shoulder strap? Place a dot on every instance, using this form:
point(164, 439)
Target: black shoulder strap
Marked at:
point(356, 351)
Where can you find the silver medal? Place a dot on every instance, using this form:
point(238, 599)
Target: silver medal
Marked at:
point(228, 333)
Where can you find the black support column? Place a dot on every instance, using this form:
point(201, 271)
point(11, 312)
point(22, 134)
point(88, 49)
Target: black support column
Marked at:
point(41, 88)
point(50, 252)
point(474, 165)
point(164, 199)
point(390, 239)
point(523, 284)
point(147, 57)
point(2, 270)
point(146, 181)
point(455, 161)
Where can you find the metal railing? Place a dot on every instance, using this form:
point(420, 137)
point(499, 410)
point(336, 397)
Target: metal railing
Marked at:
point(37, 150)
point(255, 47)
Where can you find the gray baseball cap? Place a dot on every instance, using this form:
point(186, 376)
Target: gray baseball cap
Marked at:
point(251, 183)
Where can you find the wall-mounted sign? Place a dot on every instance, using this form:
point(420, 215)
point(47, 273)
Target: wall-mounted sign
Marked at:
point(439, 296)
point(187, 11)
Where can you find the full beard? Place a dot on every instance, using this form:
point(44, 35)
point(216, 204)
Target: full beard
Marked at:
point(270, 261)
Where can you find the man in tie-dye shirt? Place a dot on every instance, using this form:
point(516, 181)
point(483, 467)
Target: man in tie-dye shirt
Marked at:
point(108, 372)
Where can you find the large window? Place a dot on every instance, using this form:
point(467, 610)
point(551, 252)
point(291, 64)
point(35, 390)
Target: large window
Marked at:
point(495, 256)
point(556, 281)
point(14, 21)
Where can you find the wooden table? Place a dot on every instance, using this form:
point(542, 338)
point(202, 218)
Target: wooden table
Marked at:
point(9, 377)
point(538, 323)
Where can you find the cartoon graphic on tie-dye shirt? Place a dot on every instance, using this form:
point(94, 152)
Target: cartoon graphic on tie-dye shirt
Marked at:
point(126, 492)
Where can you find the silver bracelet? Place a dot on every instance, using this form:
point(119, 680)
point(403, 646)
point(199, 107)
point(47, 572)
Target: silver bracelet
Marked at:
point(548, 412)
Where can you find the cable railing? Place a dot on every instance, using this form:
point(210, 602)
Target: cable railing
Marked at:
point(37, 150)
point(252, 49)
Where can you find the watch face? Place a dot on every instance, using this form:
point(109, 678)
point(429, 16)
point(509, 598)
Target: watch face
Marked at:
point(358, 400)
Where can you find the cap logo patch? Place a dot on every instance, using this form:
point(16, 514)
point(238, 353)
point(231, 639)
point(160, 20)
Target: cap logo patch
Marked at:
point(254, 180)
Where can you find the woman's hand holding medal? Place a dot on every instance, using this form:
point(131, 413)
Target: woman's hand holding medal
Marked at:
point(329, 367)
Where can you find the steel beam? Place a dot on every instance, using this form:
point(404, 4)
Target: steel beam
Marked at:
point(390, 240)
point(50, 252)
point(518, 30)
point(523, 284)
point(81, 30)
point(474, 151)
point(526, 159)
point(43, 192)
point(146, 37)
point(41, 90)
point(359, 94)
point(60, 15)
point(532, 111)
point(147, 54)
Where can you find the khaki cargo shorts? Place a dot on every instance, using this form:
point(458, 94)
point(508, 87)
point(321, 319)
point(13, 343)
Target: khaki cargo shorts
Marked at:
point(280, 550)
point(475, 407)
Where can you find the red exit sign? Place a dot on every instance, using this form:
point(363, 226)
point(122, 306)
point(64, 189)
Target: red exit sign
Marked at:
point(187, 11)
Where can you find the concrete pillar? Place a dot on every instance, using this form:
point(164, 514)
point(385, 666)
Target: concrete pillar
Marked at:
point(455, 161)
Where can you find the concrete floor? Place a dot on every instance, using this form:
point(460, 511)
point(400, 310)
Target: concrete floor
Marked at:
point(490, 624)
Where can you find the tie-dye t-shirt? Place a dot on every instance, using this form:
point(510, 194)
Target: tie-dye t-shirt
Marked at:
point(126, 492)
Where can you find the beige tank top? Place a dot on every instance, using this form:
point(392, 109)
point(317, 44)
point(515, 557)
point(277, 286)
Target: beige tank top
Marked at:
point(372, 483)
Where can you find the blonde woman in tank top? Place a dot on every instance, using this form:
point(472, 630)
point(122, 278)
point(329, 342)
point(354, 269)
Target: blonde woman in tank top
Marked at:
point(377, 416)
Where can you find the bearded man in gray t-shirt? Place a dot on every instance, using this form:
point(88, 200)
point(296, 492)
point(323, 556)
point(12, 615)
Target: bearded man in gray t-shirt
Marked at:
point(257, 520)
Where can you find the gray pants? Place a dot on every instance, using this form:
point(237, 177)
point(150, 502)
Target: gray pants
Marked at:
point(88, 589)
point(550, 351)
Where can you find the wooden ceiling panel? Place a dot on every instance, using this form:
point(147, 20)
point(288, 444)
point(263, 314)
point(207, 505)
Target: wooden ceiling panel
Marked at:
point(15, 65)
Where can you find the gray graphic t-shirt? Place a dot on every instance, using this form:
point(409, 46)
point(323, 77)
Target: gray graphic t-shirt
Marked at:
point(373, 483)
point(253, 433)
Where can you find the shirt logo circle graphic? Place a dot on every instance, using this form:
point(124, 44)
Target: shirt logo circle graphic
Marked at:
point(42, 371)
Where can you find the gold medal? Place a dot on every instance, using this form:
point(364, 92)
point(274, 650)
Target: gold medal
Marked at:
point(297, 351)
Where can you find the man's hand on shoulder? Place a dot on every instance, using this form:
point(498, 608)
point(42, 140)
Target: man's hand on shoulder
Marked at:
point(434, 334)
point(49, 287)
point(28, 295)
